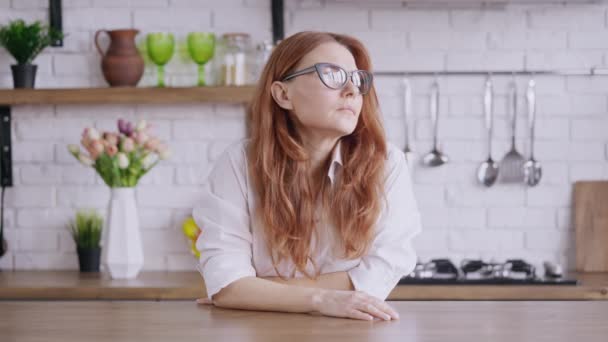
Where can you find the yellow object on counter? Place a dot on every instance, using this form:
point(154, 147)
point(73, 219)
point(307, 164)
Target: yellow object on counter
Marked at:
point(192, 232)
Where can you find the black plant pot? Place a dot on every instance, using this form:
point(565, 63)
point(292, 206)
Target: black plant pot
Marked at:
point(88, 259)
point(3, 246)
point(24, 75)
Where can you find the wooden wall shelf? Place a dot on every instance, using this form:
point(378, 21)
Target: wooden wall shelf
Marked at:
point(125, 95)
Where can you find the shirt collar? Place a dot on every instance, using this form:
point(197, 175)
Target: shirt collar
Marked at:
point(336, 160)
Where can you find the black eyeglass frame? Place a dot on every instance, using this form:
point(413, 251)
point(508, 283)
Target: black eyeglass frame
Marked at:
point(318, 67)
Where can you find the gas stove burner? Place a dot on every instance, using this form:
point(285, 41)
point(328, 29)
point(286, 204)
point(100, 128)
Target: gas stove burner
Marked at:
point(511, 269)
point(479, 272)
point(436, 268)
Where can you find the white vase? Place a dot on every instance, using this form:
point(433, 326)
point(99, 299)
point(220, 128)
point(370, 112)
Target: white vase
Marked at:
point(122, 252)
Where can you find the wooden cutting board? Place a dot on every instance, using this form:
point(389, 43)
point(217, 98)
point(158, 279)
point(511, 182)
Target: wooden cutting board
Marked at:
point(591, 225)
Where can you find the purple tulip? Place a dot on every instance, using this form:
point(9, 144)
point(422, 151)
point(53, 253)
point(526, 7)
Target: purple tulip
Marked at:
point(121, 126)
point(129, 129)
point(125, 127)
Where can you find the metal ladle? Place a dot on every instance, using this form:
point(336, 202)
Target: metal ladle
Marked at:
point(532, 168)
point(435, 157)
point(488, 170)
point(410, 155)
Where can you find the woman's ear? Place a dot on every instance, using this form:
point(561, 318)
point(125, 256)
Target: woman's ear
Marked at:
point(279, 93)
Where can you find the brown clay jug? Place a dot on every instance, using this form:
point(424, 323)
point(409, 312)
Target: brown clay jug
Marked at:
point(122, 66)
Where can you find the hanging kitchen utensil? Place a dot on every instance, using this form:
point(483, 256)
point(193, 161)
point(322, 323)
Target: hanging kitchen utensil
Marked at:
point(532, 168)
point(410, 155)
point(512, 164)
point(488, 170)
point(435, 157)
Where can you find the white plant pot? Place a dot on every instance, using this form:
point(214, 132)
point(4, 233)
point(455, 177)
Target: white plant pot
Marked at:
point(122, 248)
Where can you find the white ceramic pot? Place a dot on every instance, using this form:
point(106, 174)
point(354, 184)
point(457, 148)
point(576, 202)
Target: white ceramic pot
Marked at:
point(122, 250)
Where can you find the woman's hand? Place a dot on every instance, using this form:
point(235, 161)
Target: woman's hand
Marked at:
point(205, 301)
point(352, 304)
point(347, 304)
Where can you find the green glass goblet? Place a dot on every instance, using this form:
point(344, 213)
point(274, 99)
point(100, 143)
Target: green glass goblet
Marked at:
point(201, 47)
point(160, 50)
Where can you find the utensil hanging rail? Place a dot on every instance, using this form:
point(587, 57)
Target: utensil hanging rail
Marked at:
point(566, 72)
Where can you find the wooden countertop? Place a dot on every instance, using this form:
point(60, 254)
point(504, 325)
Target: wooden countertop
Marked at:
point(117, 321)
point(63, 285)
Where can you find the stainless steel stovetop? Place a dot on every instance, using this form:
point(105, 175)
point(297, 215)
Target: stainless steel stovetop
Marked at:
point(479, 272)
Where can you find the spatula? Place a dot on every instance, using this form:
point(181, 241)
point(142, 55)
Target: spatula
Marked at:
point(512, 164)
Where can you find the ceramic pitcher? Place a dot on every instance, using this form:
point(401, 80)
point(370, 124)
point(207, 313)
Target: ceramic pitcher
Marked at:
point(121, 64)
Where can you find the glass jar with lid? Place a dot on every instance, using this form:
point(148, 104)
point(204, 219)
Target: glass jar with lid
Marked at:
point(232, 59)
point(259, 59)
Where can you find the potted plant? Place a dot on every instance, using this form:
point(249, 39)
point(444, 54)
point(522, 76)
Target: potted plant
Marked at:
point(121, 159)
point(24, 42)
point(86, 231)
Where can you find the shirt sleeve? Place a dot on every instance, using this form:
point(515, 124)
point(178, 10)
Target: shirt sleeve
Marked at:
point(225, 243)
point(391, 255)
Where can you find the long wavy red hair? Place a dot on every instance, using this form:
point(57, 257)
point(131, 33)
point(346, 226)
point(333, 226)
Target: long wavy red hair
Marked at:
point(280, 170)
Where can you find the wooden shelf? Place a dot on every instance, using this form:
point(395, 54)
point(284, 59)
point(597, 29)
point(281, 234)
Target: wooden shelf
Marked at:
point(125, 95)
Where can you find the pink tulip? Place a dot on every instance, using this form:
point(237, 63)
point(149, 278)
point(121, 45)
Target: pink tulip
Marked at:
point(163, 152)
point(91, 133)
point(85, 141)
point(111, 150)
point(94, 154)
point(85, 133)
point(152, 144)
point(97, 146)
point(141, 137)
point(112, 139)
point(128, 145)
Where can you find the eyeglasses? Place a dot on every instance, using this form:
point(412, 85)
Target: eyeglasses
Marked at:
point(335, 77)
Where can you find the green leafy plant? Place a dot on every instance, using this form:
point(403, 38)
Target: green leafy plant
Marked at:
point(24, 42)
point(86, 229)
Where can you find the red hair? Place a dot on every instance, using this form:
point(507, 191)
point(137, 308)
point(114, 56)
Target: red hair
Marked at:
point(279, 165)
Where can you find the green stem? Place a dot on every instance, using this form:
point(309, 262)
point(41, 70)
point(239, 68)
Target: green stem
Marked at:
point(161, 76)
point(201, 75)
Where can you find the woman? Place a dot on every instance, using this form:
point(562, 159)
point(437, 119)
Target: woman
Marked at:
point(314, 212)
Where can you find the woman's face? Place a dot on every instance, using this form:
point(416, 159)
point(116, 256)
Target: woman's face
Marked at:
point(319, 109)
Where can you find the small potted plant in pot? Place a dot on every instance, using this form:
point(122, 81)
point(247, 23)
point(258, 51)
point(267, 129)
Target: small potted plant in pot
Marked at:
point(86, 231)
point(24, 42)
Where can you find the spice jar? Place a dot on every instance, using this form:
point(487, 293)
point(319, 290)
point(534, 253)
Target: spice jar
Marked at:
point(232, 59)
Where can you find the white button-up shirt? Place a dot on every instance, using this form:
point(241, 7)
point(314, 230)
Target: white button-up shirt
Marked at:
point(232, 243)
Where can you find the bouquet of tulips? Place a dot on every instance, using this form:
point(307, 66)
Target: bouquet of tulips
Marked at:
point(121, 158)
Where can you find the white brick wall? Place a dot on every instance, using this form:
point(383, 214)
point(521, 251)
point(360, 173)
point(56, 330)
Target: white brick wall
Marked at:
point(461, 219)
